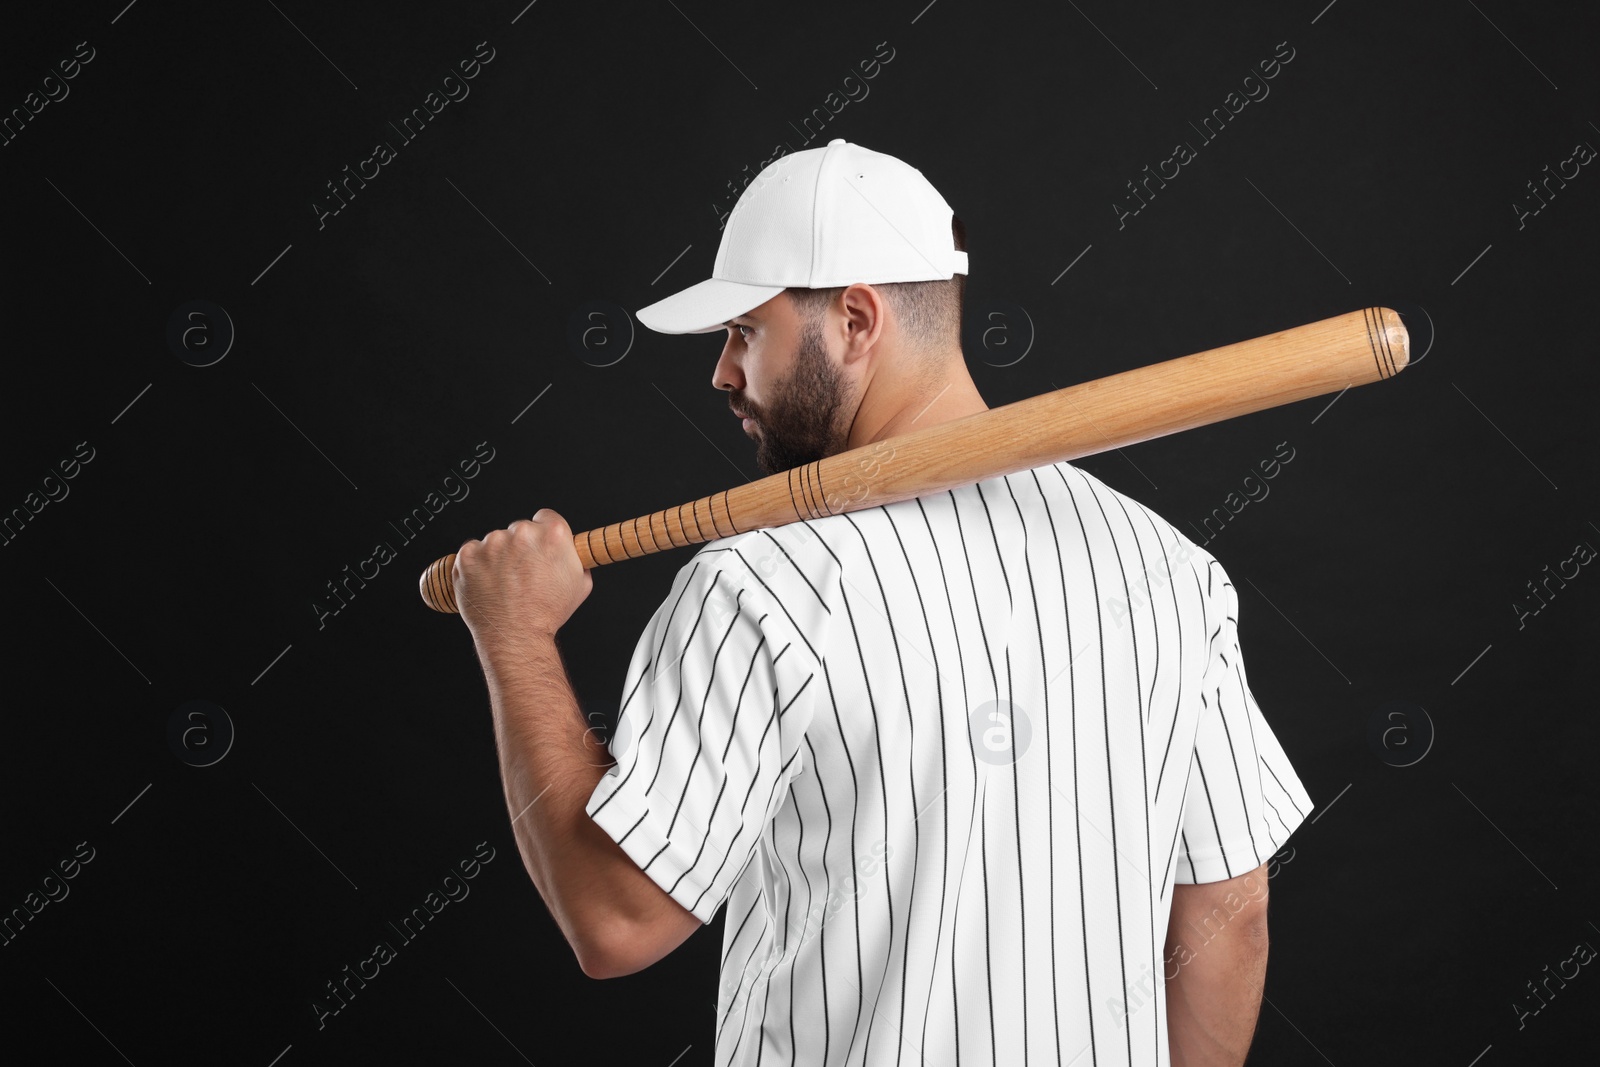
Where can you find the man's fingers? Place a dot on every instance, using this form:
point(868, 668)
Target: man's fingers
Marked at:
point(553, 519)
point(546, 529)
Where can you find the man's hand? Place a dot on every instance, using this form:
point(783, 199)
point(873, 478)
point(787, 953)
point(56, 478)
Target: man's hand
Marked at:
point(520, 583)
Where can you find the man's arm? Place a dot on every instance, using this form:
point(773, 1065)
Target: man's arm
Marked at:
point(1216, 966)
point(516, 588)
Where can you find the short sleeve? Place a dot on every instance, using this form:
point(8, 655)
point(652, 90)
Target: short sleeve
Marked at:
point(715, 704)
point(1244, 798)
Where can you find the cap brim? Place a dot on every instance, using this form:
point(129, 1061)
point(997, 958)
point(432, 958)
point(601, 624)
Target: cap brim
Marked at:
point(704, 307)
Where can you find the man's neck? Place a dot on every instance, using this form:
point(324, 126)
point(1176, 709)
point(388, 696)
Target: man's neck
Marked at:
point(955, 398)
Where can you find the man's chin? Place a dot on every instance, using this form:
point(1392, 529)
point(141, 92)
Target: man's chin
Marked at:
point(770, 464)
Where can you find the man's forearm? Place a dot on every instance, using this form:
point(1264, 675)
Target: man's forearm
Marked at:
point(1214, 999)
point(516, 589)
point(550, 763)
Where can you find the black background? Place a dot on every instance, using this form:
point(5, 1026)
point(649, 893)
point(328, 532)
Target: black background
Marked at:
point(589, 163)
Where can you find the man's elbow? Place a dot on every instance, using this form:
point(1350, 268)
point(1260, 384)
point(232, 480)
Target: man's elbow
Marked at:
point(613, 946)
point(1217, 918)
point(603, 951)
point(1247, 940)
point(594, 966)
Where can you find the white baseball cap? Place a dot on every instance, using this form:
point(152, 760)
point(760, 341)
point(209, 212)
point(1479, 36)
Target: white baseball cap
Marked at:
point(818, 219)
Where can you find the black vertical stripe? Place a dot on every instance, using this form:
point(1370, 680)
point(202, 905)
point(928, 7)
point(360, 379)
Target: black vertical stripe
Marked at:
point(1016, 788)
point(883, 784)
point(1244, 801)
point(855, 810)
point(798, 572)
point(822, 932)
point(677, 706)
point(744, 806)
point(972, 581)
point(734, 938)
point(1105, 711)
point(1245, 702)
point(781, 950)
point(944, 580)
point(1222, 848)
point(755, 573)
point(1281, 786)
point(1077, 803)
point(666, 623)
point(1177, 708)
point(938, 681)
point(1171, 733)
point(1050, 758)
point(643, 730)
point(1179, 832)
point(772, 822)
point(722, 788)
point(1143, 718)
point(1274, 807)
point(911, 779)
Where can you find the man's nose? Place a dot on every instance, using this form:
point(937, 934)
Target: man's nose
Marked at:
point(727, 374)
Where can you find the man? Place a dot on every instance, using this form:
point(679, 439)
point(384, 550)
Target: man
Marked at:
point(978, 775)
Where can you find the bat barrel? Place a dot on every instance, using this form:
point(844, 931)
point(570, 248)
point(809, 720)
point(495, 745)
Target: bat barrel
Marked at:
point(1331, 355)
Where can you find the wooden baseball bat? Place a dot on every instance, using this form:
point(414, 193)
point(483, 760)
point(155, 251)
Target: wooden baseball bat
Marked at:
point(1097, 416)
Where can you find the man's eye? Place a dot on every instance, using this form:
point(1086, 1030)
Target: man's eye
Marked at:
point(742, 327)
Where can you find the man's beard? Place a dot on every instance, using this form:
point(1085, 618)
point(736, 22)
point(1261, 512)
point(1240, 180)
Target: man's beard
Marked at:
point(798, 425)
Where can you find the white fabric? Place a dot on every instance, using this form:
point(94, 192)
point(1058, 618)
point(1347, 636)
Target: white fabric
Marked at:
point(817, 219)
point(797, 739)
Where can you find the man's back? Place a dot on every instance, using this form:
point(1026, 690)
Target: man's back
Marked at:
point(943, 761)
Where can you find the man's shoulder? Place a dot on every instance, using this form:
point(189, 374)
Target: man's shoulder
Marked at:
point(1177, 546)
point(1125, 519)
point(810, 556)
point(745, 555)
point(791, 570)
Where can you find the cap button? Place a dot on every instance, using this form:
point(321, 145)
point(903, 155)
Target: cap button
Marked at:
point(836, 140)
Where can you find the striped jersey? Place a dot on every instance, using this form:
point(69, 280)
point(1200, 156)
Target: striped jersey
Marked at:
point(943, 761)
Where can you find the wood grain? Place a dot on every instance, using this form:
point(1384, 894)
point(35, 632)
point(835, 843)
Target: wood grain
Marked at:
point(1321, 357)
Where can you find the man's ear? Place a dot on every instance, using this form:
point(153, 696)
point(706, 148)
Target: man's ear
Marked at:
point(864, 314)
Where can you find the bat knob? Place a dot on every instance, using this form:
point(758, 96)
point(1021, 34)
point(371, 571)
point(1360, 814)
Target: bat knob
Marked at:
point(1396, 339)
point(438, 585)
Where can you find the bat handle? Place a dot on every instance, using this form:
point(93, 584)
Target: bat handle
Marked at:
point(708, 518)
point(438, 581)
point(438, 585)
